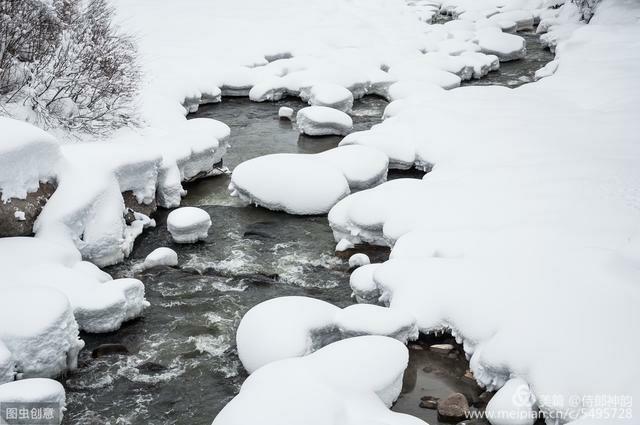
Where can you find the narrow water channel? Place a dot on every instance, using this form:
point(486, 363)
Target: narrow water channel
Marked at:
point(178, 364)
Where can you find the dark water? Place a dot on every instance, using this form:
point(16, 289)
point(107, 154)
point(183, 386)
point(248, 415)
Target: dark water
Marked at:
point(181, 365)
point(516, 73)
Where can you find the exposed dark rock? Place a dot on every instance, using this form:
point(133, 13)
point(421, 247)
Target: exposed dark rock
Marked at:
point(108, 350)
point(483, 399)
point(18, 215)
point(132, 204)
point(453, 409)
point(151, 367)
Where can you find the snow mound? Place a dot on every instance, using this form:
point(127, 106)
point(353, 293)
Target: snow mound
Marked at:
point(161, 257)
point(99, 304)
point(513, 404)
point(293, 326)
point(188, 224)
point(36, 390)
point(322, 121)
point(37, 326)
point(362, 166)
point(364, 287)
point(506, 47)
point(28, 156)
point(296, 184)
point(358, 260)
point(342, 384)
point(329, 95)
point(285, 113)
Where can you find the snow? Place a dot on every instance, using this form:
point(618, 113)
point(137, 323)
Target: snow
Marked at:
point(362, 166)
point(99, 304)
point(296, 326)
point(188, 224)
point(36, 390)
point(358, 260)
point(364, 287)
point(329, 95)
point(7, 365)
point(28, 156)
point(507, 47)
point(285, 113)
point(513, 404)
point(322, 121)
point(37, 327)
point(340, 384)
point(19, 215)
point(526, 206)
point(343, 245)
point(296, 184)
point(368, 319)
point(161, 257)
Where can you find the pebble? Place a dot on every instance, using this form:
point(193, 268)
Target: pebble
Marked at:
point(429, 402)
point(453, 409)
point(441, 348)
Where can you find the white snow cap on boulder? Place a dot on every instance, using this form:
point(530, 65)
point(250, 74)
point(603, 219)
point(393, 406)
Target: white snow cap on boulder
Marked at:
point(362, 166)
point(341, 384)
point(38, 328)
point(188, 224)
point(294, 183)
point(285, 113)
point(36, 390)
point(7, 365)
point(329, 95)
point(293, 326)
point(161, 257)
point(99, 304)
point(359, 259)
point(28, 156)
point(323, 121)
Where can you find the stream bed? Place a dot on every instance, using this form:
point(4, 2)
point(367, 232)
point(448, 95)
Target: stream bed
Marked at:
point(178, 363)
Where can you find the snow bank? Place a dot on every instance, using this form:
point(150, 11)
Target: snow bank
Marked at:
point(161, 257)
point(362, 166)
point(341, 384)
point(28, 156)
point(7, 365)
point(188, 224)
point(506, 47)
point(36, 390)
point(99, 304)
point(322, 121)
point(287, 327)
point(513, 404)
point(530, 218)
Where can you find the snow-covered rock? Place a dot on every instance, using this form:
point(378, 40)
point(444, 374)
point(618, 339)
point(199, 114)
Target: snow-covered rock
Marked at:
point(285, 113)
point(296, 184)
point(505, 46)
point(38, 327)
point(188, 224)
point(293, 326)
point(363, 285)
point(322, 121)
point(341, 384)
point(367, 319)
point(358, 260)
point(513, 404)
point(362, 166)
point(36, 390)
point(329, 95)
point(99, 304)
point(161, 257)
point(28, 156)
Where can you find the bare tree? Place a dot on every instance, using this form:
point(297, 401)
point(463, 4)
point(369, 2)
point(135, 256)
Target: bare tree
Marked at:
point(68, 64)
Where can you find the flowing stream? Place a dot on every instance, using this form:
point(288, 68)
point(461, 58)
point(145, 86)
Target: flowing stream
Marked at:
point(178, 364)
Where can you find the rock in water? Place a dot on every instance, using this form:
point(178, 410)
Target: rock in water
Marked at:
point(441, 348)
point(188, 224)
point(357, 260)
point(285, 113)
point(453, 409)
point(429, 402)
point(329, 95)
point(161, 257)
point(323, 121)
